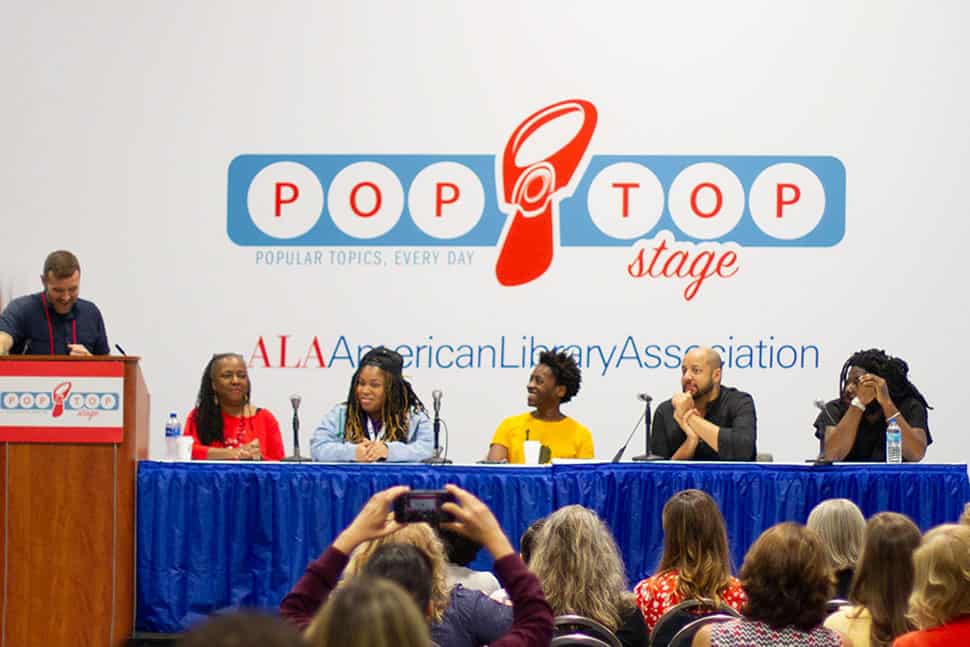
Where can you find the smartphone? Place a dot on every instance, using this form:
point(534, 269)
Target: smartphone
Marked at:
point(423, 505)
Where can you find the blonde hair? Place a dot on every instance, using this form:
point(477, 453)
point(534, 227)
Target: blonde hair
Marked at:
point(370, 612)
point(578, 563)
point(695, 544)
point(942, 588)
point(965, 517)
point(842, 528)
point(425, 539)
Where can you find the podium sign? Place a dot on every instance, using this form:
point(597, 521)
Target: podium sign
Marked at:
point(61, 401)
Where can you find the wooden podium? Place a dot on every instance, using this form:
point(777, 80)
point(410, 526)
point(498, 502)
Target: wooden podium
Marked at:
point(67, 549)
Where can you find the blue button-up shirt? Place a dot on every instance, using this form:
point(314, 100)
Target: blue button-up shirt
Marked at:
point(24, 320)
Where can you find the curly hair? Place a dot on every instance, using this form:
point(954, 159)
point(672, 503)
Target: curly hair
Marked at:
point(941, 588)
point(884, 578)
point(208, 414)
point(371, 612)
point(695, 544)
point(840, 524)
point(424, 538)
point(788, 577)
point(894, 370)
point(400, 400)
point(565, 369)
point(242, 629)
point(578, 563)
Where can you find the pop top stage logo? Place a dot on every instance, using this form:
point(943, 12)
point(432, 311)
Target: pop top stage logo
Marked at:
point(683, 217)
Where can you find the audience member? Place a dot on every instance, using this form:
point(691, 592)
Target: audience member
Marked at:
point(461, 551)
point(874, 388)
point(579, 565)
point(532, 623)
point(965, 517)
point(554, 381)
point(788, 579)
point(242, 629)
point(841, 525)
point(382, 420)
point(224, 424)
point(940, 603)
point(695, 562)
point(882, 583)
point(705, 421)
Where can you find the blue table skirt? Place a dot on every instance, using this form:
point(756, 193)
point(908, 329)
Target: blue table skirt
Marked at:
point(215, 535)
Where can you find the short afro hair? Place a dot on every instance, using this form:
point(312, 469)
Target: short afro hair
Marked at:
point(564, 369)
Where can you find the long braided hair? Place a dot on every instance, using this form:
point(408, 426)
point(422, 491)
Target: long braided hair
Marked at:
point(400, 400)
point(208, 414)
point(894, 370)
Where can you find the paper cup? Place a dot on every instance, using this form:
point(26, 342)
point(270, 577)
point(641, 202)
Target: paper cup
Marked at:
point(183, 448)
point(531, 449)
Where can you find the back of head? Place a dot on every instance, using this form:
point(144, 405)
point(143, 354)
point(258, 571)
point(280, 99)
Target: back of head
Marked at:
point(884, 577)
point(528, 539)
point(369, 612)
point(422, 537)
point(459, 549)
point(578, 563)
point(842, 527)
point(246, 629)
point(695, 543)
point(941, 588)
point(787, 577)
point(406, 566)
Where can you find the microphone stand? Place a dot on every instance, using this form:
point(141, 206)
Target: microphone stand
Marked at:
point(647, 455)
point(820, 460)
point(296, 458)
point(437, 458)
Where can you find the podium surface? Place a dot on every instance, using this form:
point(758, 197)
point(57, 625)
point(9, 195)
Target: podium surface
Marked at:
point(67, 497)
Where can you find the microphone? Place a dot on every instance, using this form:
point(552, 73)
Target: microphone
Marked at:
point(647, 455)
point(821, 460)
point(296, 458)
point(436, 458)
point(121, 350)
point(619, 453)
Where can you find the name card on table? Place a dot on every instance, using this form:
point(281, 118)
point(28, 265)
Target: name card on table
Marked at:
point(61, 401)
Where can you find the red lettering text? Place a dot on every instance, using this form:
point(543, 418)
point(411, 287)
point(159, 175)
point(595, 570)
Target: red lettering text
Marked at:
point(280, 201)
point(260, 350)
point(439, 198)
point(625, 187)
point(780, 201)
point(718, 200)
point(377, 199)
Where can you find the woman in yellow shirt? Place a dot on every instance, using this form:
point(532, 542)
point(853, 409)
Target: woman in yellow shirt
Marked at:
point(554, 381)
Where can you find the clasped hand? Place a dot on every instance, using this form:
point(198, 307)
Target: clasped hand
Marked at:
point(369, 451)
point(872, 387)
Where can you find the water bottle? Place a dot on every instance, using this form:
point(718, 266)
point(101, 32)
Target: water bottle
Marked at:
point(894, 443)
point(172, 431)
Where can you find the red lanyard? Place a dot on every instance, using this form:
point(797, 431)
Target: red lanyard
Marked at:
point(50, 326)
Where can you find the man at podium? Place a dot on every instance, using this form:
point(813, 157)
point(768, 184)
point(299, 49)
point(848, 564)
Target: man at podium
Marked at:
point(54, 321)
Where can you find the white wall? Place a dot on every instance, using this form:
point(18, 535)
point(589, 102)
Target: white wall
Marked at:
point(119, 121)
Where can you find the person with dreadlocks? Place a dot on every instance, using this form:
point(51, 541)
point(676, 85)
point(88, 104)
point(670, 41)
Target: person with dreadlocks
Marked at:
point(382, 419)
point(875, 388)
point(224, 425)
point(554, 381)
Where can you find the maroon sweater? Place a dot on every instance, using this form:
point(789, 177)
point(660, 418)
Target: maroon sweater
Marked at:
point(532, 616)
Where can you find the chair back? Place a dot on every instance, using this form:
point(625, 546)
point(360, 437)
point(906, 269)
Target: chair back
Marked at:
point(685, 636)
point(573, 624)
point(680, 615)
point(577, 640)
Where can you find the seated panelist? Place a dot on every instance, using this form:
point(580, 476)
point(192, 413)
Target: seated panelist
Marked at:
point(554, 381)
point(382, 419)
point(874, 388)
point(705, 421)
point(223, 423)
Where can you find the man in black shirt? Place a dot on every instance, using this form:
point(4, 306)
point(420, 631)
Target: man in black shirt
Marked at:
point(706, 421)
point(54, 321)
point(875, 388)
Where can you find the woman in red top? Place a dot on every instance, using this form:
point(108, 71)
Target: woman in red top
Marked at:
point(223, 423)
point(695, 562)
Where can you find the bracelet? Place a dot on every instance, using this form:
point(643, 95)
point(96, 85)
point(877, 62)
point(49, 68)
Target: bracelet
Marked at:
point(857, 403)
point(895, 415)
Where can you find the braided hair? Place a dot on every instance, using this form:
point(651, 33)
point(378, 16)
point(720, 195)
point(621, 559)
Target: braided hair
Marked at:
point(564, 368)
point(400, 400)
point(208, 413)
point(894, 370)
